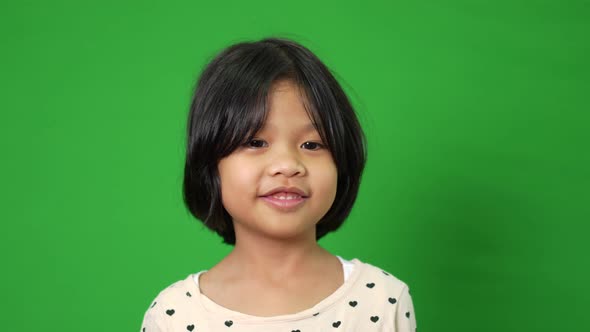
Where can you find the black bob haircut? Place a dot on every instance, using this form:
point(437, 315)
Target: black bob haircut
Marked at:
point(229, 107)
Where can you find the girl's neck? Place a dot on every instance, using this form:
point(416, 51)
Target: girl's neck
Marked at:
point(264, 279)
point(271, 259)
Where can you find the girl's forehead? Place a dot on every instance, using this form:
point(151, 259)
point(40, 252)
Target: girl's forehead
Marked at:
point(287, 89)
point(289, 122)
point(303, 128)
point(287, 111)
point(283, 85)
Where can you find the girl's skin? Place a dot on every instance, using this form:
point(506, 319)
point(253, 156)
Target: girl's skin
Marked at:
point(276, 267)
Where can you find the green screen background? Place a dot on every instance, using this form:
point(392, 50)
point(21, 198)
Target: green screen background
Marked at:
point(476, 191)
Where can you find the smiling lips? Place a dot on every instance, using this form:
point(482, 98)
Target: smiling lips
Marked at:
point(285, 201)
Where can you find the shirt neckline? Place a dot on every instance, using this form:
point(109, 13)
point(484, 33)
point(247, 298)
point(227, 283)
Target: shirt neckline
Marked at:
point(213, 308)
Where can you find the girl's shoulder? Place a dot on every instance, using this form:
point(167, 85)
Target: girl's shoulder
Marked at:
point(378, 296)
point(175, 289)
point(174, 300)
point(373, 275)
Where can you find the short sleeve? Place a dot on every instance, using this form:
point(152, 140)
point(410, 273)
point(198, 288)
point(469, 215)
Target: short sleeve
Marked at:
point(152, 320)
point(405, 317)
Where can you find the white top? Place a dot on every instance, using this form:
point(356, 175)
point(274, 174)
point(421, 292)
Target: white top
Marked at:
point(346, 266)
point(370, 299)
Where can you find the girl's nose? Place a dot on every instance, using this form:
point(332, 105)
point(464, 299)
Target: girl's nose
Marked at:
point(287, 163)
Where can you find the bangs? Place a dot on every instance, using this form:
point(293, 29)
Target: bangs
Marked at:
point(242, 120)
point(313, 105)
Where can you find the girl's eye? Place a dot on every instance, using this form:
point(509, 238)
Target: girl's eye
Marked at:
point(255, 143)
point(313, 145)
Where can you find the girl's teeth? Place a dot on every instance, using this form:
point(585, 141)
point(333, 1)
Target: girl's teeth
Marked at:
point(286, 197)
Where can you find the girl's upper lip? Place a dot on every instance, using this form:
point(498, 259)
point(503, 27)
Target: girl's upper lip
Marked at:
point(294, 190)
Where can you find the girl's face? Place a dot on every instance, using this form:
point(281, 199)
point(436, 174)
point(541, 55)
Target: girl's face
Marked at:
point(287, 152)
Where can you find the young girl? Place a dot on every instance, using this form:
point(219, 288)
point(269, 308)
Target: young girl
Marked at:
point(274, 160)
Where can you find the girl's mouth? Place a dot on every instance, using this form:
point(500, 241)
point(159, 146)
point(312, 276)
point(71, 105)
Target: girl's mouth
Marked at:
point(285, 201)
